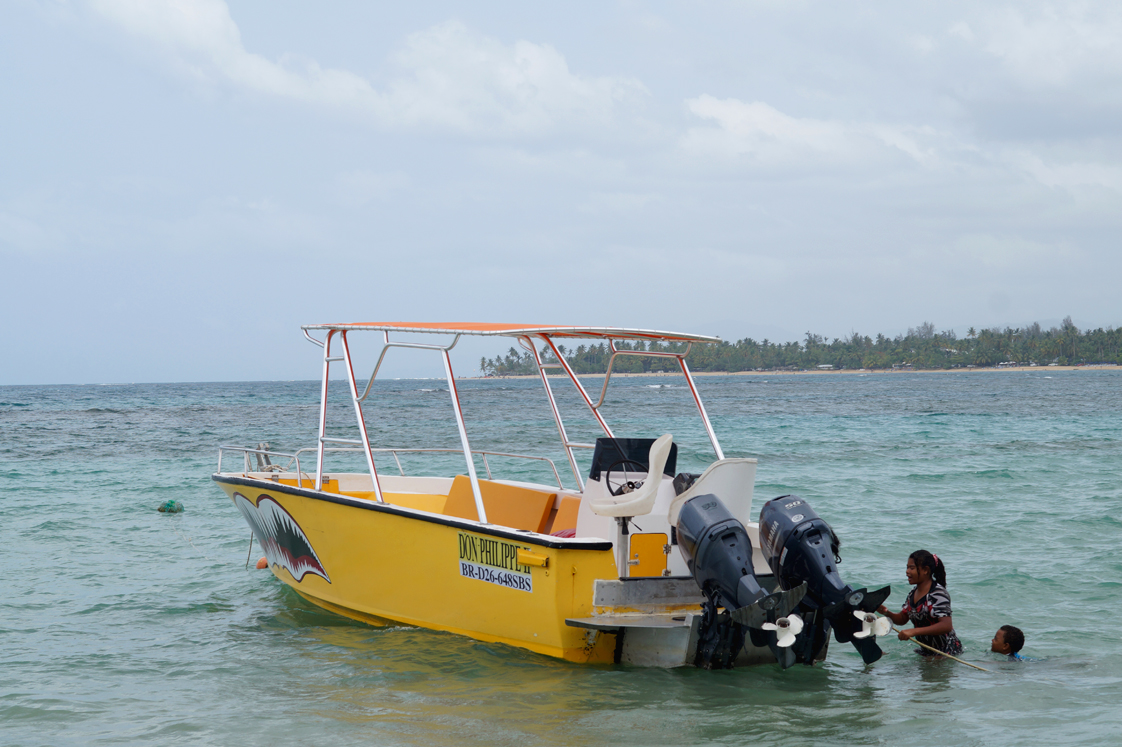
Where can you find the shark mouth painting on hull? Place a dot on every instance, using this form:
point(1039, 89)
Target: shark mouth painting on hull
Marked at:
point(284, 541)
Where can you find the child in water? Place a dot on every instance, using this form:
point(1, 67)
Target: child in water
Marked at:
point(1009, 641)
point(928, 606)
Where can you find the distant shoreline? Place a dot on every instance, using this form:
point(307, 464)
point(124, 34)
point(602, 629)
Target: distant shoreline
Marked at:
point(830, 372)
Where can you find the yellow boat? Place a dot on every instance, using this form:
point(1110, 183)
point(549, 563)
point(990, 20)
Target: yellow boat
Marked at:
point(564, 572)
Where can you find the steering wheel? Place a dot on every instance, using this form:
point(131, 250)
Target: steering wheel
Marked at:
point(621, 485)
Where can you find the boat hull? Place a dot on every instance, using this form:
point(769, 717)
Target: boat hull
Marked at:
point(377, 562)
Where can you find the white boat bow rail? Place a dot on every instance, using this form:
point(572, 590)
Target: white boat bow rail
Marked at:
point(264, 464)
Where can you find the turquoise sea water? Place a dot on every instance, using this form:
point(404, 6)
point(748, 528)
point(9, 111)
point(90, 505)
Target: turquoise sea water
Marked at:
point(122, 625)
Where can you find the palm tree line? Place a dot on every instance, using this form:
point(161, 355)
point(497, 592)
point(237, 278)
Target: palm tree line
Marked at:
point(921, 348)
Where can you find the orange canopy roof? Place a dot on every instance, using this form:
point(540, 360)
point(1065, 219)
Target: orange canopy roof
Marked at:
point(517, 330)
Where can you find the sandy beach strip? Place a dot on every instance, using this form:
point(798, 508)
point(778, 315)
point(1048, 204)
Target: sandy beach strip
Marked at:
point(828, 372)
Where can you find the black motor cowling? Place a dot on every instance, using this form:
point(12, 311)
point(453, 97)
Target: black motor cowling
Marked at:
point(718, 552)
point(801, 548)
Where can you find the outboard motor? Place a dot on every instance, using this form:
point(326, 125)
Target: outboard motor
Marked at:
point(802, 549)
point(718, 553)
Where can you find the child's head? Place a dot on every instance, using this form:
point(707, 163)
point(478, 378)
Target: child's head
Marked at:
point(930, 562)
point(1007, 640)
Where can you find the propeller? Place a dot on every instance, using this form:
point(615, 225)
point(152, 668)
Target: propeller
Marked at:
point(871, 625)
point(787, 628)
point(780, 603)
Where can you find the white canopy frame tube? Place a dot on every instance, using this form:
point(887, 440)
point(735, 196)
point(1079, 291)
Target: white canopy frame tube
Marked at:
point(569, 445)
point(701, 409)
point(386, 345)
point(365, 437)
point(640, 353)
point(327, 361)
point(595, 408)
point(364, 441)
point(576, 382)
point(482, 512)
point(525, 342)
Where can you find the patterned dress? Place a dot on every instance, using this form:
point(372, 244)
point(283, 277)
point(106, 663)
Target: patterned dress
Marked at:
point(935, 604)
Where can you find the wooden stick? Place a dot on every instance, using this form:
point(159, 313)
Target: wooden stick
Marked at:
point(942, 653)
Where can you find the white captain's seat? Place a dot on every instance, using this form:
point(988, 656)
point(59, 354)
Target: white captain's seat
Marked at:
point(731, 480)
point(640, 501)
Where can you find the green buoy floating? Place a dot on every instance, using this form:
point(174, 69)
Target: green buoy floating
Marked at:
point(171, 507)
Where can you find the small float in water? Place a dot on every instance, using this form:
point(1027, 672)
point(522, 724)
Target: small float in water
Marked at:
point(637, 564)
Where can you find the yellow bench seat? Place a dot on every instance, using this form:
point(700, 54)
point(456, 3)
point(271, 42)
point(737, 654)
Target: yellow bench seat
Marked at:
point(506, 505)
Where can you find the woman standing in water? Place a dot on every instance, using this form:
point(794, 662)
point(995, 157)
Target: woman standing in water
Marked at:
point(928, 606)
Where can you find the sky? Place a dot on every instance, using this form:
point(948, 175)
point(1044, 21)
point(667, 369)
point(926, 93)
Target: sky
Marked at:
point(183, 183)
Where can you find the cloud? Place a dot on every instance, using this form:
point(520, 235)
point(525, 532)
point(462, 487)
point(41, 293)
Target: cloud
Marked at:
point(1069, 175)
point(758, 136)
point(962, 30)
point(1008, 253)
point(19, 234)
point(462, 80)
point(1051, 45)
point(618, 202)
point(363, 187)
point(765, 136)
point(447, 77)
point(202, 39)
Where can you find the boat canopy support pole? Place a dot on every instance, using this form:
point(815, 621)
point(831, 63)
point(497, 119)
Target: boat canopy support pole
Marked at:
point(364, 436)
point(528, 344)
point(327, 360)
point(701, 409)
point(480, 510)
point(577, 384)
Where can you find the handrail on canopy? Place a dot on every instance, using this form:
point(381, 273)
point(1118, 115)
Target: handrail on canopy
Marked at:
point(386, 345)
point(638, 353)
point(595, 408)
